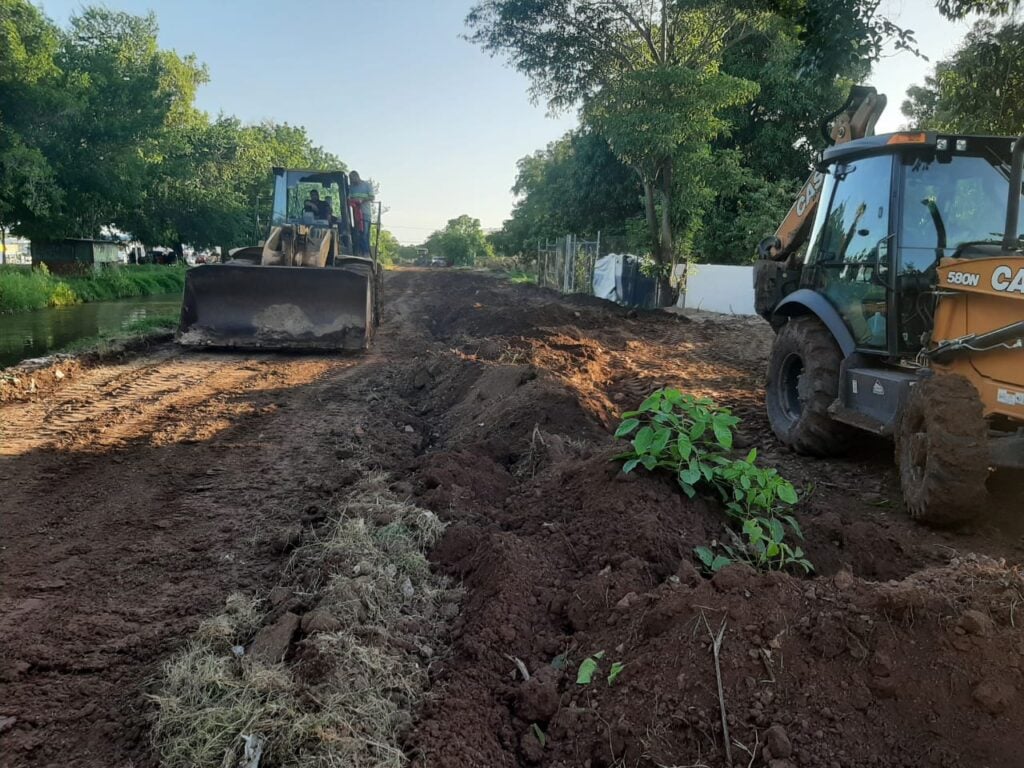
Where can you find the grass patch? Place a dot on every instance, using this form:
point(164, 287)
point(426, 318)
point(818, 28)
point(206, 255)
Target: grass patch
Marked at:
point(146, 329)
point(23, 289)
point(519, 277)
point(347, 697)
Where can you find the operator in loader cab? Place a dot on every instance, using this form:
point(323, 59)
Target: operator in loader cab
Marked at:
point(321, 209)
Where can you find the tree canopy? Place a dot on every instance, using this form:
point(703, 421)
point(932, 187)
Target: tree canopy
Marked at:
point(980, 89)
point(98, 129)
point(713, 106)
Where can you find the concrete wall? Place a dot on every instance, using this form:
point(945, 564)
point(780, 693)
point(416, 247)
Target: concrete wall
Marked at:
point(720, 288)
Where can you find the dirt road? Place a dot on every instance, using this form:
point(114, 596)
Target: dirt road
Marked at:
point(136, 495)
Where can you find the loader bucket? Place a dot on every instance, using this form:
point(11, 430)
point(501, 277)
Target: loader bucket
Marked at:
point(275, 307)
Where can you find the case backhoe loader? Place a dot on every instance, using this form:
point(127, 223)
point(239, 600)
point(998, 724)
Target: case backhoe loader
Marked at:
point(896, 288)
point(302, 288)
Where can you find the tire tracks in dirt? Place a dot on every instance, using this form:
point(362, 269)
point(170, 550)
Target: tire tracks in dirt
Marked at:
point(114, 405)
point(133, 500)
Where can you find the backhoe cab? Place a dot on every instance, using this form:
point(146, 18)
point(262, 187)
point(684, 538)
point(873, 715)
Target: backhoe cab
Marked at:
point(900, 311)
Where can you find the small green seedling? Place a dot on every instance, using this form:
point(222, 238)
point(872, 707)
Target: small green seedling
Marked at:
point(587, 668)
point(616, 670)
point(541, 736)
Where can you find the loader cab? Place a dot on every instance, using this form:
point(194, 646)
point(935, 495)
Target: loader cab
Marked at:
point(892, 207)
point(293, 188)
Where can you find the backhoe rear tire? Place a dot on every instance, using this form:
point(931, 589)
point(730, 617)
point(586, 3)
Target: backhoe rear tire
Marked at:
point(942, 451)
point(803, 381)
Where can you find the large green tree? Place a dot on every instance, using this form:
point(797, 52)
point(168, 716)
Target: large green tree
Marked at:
point(574, 185)
point(29, 89)
point(120, 90)
point(980, 89)
point(462, 242)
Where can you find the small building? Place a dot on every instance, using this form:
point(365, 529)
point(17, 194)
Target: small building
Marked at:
point(70, 255)
point(15, 250)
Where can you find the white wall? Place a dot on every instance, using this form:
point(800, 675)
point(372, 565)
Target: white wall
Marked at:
point(720, 288)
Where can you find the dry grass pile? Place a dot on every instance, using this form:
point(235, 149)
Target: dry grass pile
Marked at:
point(374, 617)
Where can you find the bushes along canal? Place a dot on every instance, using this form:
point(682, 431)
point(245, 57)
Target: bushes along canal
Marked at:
point(23, 289)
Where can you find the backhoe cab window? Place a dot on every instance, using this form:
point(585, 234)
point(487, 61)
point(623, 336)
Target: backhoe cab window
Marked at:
point(849, 254)
point(949, 205)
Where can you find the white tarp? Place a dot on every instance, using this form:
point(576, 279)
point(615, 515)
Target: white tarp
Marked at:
point(608, 277)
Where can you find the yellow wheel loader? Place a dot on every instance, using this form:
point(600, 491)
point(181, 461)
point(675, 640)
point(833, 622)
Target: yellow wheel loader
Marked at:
point(303, 288)
point(896, 289)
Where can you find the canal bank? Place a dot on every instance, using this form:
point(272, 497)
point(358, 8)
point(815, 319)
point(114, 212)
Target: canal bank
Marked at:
point(23, 289)
point(25, 335)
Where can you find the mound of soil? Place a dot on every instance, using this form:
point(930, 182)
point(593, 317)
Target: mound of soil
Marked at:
point(903, 651)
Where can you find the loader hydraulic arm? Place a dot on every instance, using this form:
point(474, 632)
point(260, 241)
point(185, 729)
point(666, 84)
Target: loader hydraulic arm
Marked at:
point(854, 120)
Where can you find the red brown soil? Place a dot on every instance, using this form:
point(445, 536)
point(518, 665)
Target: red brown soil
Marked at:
point(136, 496)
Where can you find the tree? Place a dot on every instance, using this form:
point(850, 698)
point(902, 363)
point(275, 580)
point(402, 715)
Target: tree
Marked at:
point(119, 92)
point(661, 123)
point(387, 248)
point(461, 242)
point(98, 128)
point(647, 74)
point(576, 184)
point(980, 89)
point(28, 91)
point(836, 35)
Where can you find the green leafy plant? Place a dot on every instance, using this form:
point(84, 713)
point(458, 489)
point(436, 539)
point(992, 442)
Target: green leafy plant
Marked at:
point(588, 667)
point(684, 434)
point(692, 438)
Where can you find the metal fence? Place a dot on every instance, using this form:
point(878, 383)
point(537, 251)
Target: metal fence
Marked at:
point(567, 263)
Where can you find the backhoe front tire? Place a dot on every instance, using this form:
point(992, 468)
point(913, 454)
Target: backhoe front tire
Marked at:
point(942, 451)
point(803, 381)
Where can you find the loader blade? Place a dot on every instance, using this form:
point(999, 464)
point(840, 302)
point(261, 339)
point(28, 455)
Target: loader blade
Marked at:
point(273, 307)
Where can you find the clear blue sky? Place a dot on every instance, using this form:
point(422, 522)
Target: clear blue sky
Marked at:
point(437, 123)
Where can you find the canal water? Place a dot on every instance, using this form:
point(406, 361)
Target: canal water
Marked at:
point(34, 334)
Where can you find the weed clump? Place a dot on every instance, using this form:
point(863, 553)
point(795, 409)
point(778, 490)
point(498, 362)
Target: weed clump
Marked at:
point(345, 695)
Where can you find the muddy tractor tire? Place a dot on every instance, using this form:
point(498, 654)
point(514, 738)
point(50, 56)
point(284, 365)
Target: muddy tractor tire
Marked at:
point(803, 381)
point(942, 451)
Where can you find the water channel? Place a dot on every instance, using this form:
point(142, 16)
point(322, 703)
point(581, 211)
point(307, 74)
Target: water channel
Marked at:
point(34, 334)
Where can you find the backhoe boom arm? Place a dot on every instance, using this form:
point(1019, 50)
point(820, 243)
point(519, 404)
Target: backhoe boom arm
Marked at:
point(854, 120)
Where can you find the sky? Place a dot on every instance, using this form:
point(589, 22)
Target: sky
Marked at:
point(437, 123)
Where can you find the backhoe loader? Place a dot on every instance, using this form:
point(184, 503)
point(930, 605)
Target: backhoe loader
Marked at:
point(302, 288)
point(896, 288)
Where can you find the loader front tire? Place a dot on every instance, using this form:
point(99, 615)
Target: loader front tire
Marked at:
point(803, 381)
point(942, 451)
